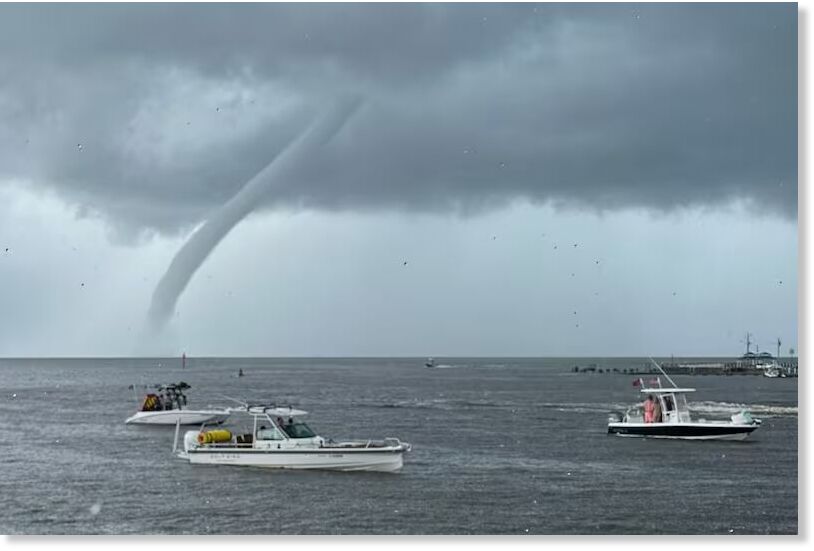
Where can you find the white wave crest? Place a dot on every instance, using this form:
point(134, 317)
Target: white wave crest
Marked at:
point(770, 410)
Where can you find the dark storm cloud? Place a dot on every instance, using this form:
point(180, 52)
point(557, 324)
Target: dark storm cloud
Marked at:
point(153, 115)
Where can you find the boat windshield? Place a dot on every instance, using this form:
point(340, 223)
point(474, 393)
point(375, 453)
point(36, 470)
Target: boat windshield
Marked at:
point(272, 433)
point(299, 430)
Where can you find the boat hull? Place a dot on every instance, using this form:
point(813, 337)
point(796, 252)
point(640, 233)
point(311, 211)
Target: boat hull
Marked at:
point(174, 416)
point(683, 431)
point(379, 460)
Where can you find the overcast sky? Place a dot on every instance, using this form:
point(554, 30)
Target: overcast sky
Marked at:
point(518, 179)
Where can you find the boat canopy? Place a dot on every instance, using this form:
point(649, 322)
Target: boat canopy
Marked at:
point(279, 411)
point(666, 390)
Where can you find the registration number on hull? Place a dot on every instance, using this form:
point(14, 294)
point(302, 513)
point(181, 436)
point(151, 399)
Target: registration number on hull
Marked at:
point(225, 457)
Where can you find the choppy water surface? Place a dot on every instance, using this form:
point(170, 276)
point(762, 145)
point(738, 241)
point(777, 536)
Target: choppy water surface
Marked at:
point(499, 447)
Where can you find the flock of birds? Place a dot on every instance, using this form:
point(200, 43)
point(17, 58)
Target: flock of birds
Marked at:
point(555, 247)
point(597, 262)
point(405, 262)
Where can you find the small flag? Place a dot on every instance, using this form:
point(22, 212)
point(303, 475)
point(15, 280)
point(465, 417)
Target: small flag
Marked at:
point(637, 382)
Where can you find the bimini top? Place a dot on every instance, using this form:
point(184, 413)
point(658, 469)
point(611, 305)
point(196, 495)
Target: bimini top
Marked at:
point(280, 411)
point(665, 390)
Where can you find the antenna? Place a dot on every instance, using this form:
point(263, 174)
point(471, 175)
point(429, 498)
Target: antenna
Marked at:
point(778, 347)
point(175, 440)
point(664, 373)
point(241, 402)
point(748, 342)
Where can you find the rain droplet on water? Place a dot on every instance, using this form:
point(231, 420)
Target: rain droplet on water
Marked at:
point(95, 509)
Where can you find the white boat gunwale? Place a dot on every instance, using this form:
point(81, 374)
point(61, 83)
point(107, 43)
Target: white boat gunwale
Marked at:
point(665, 390)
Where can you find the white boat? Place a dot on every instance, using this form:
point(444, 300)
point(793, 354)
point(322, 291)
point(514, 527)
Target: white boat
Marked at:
point(773, 371)
point(432, 364)
point(168, 406)
point(276, 443)
point(675, 420)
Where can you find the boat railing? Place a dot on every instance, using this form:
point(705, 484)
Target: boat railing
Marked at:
point(388, 442)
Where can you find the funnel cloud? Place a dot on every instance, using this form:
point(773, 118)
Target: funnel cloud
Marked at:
point(281, 169)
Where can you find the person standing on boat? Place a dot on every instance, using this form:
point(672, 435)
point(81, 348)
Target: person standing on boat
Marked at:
point(649, 409)
point(656, 411)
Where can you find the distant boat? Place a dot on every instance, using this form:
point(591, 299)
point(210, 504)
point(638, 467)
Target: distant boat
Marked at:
point(773, 372)
point(167, 406)
point(432, 364)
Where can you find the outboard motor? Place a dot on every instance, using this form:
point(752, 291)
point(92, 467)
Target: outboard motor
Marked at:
point(743, 418)
point(615, 417)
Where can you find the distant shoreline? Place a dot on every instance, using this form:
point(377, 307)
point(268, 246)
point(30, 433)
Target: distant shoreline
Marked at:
point(663, 359)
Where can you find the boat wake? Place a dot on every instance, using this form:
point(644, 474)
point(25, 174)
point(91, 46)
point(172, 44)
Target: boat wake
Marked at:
point(439, 404)
point(724, 409)
point(572, 407)
point(758, 410)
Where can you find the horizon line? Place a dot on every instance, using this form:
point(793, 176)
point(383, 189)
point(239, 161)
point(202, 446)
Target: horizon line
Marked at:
point(340, 357)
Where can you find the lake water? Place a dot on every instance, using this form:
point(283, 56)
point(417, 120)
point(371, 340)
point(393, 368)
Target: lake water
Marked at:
point(500, 446)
